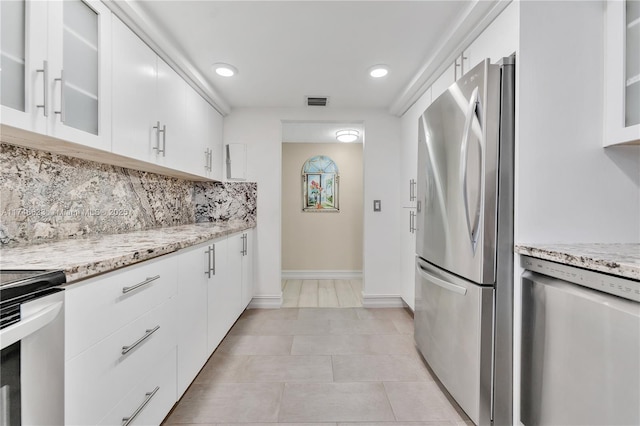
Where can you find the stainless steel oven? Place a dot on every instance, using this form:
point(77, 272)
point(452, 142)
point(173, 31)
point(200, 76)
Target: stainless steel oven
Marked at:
point(32, 348)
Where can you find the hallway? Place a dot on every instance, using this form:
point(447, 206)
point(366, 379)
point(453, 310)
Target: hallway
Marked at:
point(321, 366)
point(322, 293)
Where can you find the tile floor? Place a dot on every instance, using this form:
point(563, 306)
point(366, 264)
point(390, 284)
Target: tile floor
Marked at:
point(322, 293)
point(317, 366)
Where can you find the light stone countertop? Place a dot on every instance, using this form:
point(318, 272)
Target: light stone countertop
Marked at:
point(84, 257)
point(622, 260)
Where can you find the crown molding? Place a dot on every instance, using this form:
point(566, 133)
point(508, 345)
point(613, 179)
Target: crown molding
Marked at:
point(476, 18)
point(135, 18)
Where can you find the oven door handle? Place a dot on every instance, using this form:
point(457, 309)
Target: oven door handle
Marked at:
point(29, 325)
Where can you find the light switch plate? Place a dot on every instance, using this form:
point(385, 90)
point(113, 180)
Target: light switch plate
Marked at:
point(377, 205)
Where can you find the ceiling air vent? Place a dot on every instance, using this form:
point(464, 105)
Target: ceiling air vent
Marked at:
point(317, 100)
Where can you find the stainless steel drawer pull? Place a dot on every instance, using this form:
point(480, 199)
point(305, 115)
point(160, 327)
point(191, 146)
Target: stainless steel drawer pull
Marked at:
point(45, 79)
point(62, 100)
point(208, 270)
point(145, 282)
point(127, 420)
point(147, 334)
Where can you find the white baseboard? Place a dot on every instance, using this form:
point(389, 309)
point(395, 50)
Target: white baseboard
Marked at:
point(266, 302)
point(382, 301)
point(321, 275)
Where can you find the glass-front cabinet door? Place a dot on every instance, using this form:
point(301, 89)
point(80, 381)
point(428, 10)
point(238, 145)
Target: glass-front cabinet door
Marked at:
point(79, 48)
point(56, 70)
point(23, 64)
point(622, 72)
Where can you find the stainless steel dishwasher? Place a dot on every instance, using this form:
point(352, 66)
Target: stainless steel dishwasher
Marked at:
point(580, 346)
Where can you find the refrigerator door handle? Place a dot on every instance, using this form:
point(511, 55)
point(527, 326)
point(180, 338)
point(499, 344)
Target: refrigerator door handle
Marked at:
point(472, 113)
point(439, 282)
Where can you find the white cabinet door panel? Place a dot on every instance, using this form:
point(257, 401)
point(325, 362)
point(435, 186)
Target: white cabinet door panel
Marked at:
point(97, 307)
point(192, 318)
point(171, 114)
point(134, 72)
point(222, 307)
point(247, 269)
point(96, 379)
point(79, 53)
point(155, 406)
point(24, 52)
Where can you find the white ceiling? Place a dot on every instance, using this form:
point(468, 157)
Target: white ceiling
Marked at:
point(318, 132)
point(285, 50)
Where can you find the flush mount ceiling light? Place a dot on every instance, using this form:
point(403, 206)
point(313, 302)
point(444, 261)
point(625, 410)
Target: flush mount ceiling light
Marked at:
point(348, 135)
point(225, 70)
point(378, 71)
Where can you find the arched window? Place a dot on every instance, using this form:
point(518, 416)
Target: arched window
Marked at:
point(320, 180)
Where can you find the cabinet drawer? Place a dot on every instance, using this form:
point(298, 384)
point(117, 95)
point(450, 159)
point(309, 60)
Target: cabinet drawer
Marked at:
point(151, 407)
point(96, 379)
point(97, 307)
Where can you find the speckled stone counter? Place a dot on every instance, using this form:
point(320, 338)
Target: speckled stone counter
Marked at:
point(622, 260)
point(84, 257)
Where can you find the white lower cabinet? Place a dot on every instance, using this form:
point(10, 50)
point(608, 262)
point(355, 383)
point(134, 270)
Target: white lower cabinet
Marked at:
point(118, 328)
point(247, 269)
point(193, 265)
point(137, 337)
point(147, 403)
point(223, 296)
point(241, 265)
point(99, 377)
point(213, 288)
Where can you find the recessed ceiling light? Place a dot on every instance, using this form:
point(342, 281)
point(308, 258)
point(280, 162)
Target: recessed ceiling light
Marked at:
point(348, 135)
point(378, 71)
point(225, 70)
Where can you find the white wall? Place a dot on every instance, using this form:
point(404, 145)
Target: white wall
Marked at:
point(569, 188)
point(260, 129)
point(322, 242)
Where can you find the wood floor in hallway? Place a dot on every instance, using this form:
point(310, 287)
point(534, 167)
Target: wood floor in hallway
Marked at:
point(322, 293)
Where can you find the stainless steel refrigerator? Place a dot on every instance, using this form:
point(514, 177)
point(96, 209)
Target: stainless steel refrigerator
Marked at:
point(464, 245)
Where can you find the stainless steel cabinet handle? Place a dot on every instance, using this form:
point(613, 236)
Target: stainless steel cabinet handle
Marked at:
point(440, 283)
point(412, 222)
point(127, 420)
point(208, 270)
point(62, 101)
point(164, 138)
point(462, 59)
point(45, 96)
point(412, 190)
point(207, 156)
point(210, 160)
point(147, 334)
point(244, 244)
point(145, 282)
point(213, 257)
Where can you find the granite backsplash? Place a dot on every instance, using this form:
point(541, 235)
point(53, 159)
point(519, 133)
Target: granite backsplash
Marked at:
point(47, 197)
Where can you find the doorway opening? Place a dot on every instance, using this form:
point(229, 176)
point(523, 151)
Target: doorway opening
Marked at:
point(322, 215)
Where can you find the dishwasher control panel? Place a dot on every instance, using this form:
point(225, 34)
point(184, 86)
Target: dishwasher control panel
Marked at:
point(626, 288)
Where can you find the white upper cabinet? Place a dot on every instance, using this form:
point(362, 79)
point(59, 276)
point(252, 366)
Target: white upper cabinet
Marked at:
point(157, 117)
point(176, 151)
point(498, 40)
point(80, 72)
point(622, 72)
point(134, 92)
point(56, 69)
point(236, 161)
point(148, 102)
point(23, 62)
point(203, 127)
